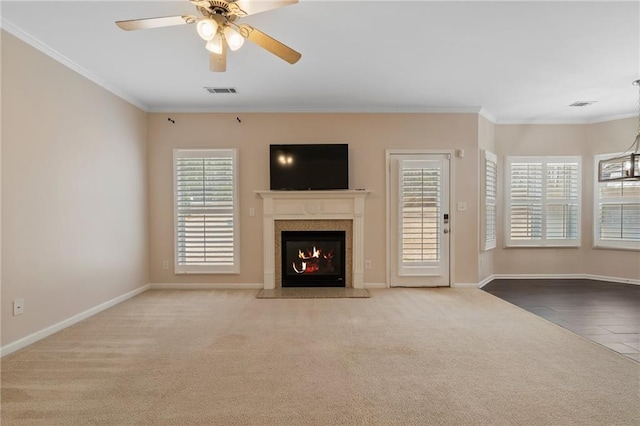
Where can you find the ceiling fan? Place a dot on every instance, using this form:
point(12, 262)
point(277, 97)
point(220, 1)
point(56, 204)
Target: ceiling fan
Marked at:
point(219, 24)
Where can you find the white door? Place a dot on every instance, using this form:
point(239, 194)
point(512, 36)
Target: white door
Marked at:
point(419, 219)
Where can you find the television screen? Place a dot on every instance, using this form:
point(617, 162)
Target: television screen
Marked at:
point(309, 167)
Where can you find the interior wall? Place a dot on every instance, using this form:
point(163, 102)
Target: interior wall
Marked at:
point(603, 138)
point(1, 300)
point(486, 141)
point(565, 139)
point(368, 136)
point(74, 203)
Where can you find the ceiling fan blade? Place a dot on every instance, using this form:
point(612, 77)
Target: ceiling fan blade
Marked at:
point(218, 62)
point(201, 3)
point(251, 7)
point(269, 43)
point(166, 21)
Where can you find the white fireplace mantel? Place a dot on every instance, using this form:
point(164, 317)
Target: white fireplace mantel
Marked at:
point(313, 205)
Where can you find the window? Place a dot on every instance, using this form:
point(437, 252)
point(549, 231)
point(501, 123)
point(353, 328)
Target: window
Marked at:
point(419, 212)
point(206, 213)
point(616, 212)
point(543, 196)
point(489, 212)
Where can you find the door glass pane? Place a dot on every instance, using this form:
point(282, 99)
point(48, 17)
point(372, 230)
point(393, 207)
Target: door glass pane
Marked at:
point(420, 215)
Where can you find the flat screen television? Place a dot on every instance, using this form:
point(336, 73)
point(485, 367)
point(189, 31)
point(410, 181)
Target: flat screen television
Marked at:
point(309, 167)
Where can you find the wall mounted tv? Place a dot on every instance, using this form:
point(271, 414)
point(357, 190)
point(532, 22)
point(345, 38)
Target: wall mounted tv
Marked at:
point(309, 167)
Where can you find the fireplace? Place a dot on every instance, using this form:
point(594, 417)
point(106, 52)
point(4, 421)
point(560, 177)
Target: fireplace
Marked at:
point(341, 210)
point(313, 259)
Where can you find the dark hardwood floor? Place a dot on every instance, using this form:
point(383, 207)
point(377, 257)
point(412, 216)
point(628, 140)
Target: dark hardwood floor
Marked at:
point(605, 312)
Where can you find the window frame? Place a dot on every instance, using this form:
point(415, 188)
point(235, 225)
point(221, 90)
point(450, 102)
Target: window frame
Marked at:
point(487, 242)
point(597, 200)
point(207, 269)
point(543, 241)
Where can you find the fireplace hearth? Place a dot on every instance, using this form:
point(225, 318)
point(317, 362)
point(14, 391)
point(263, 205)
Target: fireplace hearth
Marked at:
point(313, 259)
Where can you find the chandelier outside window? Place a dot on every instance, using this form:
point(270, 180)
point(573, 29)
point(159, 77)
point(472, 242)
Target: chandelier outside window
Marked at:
point(626, 166)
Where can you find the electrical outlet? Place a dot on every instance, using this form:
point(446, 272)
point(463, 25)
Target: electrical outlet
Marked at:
point(165, 265)
point(18, 307)
point(367, 264)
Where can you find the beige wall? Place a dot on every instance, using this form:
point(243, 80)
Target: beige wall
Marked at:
point(368, 136)
point(578, 139)
point(602, 138)
point(74, 203)
point(1, 299)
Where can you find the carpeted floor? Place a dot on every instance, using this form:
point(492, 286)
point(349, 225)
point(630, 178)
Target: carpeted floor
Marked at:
point(403, 356)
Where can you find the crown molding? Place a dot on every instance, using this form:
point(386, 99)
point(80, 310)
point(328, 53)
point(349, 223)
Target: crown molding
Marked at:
point(614, 117)
point(302, 110)
point(488, 115)
point(586, 120)
point(16, 31)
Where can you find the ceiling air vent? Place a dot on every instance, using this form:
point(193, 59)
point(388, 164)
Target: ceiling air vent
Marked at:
point(582, 103)
point(217, 90)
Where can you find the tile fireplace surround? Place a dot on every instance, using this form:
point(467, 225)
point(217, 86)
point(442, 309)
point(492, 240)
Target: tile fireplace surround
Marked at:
point(292, 210)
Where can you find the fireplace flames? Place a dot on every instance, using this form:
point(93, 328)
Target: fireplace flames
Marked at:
point(313, 261)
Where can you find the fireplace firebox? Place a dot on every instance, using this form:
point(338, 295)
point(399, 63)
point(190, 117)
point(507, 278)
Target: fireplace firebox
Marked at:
point(313, 259)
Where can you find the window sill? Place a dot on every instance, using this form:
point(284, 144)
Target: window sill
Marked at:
point(601, 247)
point(542, 247)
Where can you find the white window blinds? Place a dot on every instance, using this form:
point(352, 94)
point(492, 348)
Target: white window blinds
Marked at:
point(617, 212)
point(206, 225)
point(490, 206)
point(543, 201)
point(420, 212)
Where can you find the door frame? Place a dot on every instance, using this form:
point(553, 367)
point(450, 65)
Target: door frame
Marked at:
point(452, 213)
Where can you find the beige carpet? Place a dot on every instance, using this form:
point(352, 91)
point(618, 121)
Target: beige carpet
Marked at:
point(404, 356)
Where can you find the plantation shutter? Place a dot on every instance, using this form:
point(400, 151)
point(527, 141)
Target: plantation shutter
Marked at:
point(490, 207)
point(617, 213)
point(543, 201)
point(205, 205)
point(420, 212)
point(526, 201)
point(562, 201)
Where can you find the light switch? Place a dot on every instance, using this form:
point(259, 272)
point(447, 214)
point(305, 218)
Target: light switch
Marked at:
point(462, 206)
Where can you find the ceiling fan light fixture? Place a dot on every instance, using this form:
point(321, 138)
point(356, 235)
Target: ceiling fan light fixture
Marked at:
point(215, 45)
point(217, 22)
point(234, 39)
point(207, 29)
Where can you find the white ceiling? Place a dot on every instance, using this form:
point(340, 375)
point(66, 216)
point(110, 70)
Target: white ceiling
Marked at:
point(518, 61)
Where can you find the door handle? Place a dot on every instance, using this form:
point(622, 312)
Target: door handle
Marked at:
point(446, 231)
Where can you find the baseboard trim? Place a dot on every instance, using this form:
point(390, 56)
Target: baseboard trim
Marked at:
point(206, 286)
point(559, 277)
point(614, 279)
point(486, 281)
point(376, 285)
point(464, 285)
point(39, 335)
